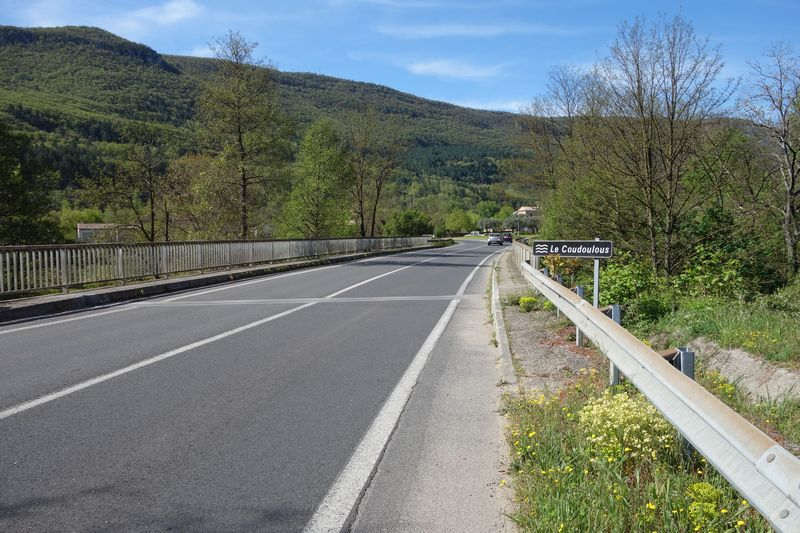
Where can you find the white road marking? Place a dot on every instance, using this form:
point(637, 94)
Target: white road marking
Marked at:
point(47, 398)
point(127, 307)
point(236, 285)
point(274, 301)
point(337, 508)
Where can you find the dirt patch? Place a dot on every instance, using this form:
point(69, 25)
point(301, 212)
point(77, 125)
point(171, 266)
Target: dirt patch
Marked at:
point(542, 346)
point(759, 378)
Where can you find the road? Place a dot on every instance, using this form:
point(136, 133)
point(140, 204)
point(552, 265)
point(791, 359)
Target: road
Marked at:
point(233, 408)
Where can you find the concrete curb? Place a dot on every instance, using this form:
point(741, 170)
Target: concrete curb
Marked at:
point(53, 304)
point(508, 375)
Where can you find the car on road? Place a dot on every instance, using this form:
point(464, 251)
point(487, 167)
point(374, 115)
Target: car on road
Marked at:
point(495, 238)
point(507, 238)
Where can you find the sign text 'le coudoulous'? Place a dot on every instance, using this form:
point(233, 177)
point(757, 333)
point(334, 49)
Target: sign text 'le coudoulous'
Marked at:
point(587, 249)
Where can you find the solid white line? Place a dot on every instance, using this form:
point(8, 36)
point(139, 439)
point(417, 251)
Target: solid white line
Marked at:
point(282, 301)
point(127, 307)
point(166, 355)
point(147, 362)
point(236, 285)
point(339, 504)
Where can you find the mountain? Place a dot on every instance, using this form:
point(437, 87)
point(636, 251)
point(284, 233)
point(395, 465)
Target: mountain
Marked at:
point(77, 85)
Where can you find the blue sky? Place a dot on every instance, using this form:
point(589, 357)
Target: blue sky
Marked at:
point(485, 54)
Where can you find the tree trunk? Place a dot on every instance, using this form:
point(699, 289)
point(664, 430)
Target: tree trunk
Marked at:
point(790, 236)
point(243, 202)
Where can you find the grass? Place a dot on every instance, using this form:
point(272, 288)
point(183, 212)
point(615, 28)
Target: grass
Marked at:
point(565, 479)
point(778, 418)
point(758, 328)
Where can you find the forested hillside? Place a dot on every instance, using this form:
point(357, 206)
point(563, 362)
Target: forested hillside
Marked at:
point(86, 98)
point(91, 83)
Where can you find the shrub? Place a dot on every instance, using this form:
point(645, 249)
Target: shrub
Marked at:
point(710, 273)
point(622, 426)
point(623, 280)
point(527, 304)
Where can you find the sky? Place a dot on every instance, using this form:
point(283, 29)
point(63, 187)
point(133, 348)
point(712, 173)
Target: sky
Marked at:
point(476, 53)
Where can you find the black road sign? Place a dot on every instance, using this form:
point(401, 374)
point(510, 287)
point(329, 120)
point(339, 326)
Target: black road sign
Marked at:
point(587, 249)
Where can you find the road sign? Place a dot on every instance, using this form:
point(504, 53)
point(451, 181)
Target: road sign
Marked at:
point(587, 249)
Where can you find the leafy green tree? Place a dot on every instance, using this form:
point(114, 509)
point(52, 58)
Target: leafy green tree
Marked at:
point(408, 223)
point(505, 212)
point(317, 205)
point(487, 208)
point(458, 221)
point(239, 115)
point(25, 193)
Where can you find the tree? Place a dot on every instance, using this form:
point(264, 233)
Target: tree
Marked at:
point(25, 193)
point(374, 156)
point(458, 221)
point(317, 205)
point(773, 107)
point(408, 223)
point(241, 121)
point(487, 208)
point(632, 154)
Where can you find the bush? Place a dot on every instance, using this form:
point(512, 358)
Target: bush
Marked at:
point(623, 280)
point(527, 304)
point(621, 427)
point(711, 273)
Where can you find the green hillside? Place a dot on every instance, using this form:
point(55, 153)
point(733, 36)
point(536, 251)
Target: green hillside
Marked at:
point(85, 85)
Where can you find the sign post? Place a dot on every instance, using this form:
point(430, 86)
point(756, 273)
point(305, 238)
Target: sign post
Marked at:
point(595, 250)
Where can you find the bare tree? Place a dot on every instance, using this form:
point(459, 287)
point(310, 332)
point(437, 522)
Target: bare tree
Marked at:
point(649, 107)
point(773, 108)
point(375, 154)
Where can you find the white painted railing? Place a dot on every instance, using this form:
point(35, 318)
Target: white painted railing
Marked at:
point(761, 470)
point(34, 268)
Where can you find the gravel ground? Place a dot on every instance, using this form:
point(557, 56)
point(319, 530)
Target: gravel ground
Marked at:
point(542, 345)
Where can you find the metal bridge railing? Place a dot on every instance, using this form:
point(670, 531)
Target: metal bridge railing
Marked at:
point(25, 269)
point(761, 470)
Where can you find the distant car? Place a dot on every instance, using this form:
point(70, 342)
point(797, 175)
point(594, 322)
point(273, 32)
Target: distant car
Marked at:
point(507, 237)
point(495, 238)
point(475, 233)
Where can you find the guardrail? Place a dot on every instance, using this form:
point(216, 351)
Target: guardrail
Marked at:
point(26, 269)
point(761, 470)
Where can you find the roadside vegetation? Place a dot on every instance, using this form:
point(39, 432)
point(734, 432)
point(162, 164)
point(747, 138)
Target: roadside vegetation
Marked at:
point(589, 459)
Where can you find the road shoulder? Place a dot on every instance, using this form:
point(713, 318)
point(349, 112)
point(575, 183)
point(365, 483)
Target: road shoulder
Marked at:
point(444, 465)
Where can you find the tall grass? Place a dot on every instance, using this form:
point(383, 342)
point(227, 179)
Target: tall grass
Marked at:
point(564, 481)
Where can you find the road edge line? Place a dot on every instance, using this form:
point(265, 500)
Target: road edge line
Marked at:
point(507, 373)
point(338, 508)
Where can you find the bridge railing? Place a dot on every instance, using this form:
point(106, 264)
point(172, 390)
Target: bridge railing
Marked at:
point(758, 467)
point(25, 269)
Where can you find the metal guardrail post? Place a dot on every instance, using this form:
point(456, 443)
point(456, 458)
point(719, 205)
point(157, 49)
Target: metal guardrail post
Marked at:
point(62, 257)
point(578, 333)
point(613, 371)
point(546, 272)
point(560, 282)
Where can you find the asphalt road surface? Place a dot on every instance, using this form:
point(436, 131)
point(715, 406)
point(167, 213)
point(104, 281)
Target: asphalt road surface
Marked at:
point(229, 408)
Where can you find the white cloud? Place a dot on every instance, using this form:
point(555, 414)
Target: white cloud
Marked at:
point(514, 106)
point(428, 31)
point(408, 4)
point(142, 21)
point(201, 51)
point(447, 68)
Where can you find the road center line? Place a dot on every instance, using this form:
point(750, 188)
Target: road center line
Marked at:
point(47, 398)
point(337, 509)
point(275, 301)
